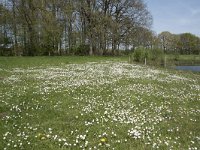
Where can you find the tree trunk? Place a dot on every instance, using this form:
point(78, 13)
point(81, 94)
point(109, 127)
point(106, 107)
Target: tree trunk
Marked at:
point(31, 47)
point(91, 47)
point(114, 46)
point(15, 28)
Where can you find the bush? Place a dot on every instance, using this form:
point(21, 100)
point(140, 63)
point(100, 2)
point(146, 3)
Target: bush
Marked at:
point(82, 49)
point(140, 54)
point(176, 56)
point(153, 56)
point(156, 54)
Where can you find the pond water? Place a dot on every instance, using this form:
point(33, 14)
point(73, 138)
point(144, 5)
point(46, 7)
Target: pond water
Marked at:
point(189, 68)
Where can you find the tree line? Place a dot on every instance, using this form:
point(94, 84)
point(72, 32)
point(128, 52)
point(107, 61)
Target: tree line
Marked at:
point(83, 27)
point(185, 43)
point(37, 27)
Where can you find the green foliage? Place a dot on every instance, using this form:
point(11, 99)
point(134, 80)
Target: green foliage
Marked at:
point(81, 50)
point(41, 27)
point(156, 54)
point(140, 54)
point(137, 55)
point(189, 44)
point(5, 46)
point(176, 56)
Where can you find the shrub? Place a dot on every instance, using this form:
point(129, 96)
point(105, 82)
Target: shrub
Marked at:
point(82, 49)
point(140, 54)
point(176, 56)
point(153, 56)
point(156, 54)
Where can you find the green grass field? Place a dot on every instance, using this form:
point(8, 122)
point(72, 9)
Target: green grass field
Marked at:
point(57, 103)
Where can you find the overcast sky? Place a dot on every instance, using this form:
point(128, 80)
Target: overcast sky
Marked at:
point(175, 16)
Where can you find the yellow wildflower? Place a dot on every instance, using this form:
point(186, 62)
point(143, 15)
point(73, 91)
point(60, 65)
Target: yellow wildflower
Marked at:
point(103, 140)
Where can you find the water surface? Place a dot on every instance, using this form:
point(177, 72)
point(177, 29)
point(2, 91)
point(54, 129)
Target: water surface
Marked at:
point(189, 68)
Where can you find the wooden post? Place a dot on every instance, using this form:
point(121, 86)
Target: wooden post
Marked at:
point(165, 62)
point(145, 61)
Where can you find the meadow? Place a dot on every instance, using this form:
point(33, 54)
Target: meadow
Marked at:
point(57, 103)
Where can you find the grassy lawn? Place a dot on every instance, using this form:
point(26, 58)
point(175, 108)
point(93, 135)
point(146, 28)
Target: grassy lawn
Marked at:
point(25, 62)
point(56, 103)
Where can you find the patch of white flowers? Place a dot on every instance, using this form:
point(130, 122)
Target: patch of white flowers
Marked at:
point(134, 133)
